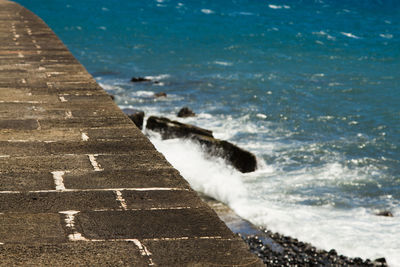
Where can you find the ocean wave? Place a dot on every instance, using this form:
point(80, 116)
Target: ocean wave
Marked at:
point(350, 35)
point(158, 77)
point(207, 11)
point(223, 63)
point(386, 35)
point(279, 7)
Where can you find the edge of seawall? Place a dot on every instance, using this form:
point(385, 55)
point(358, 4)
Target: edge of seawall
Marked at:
point(79, 183)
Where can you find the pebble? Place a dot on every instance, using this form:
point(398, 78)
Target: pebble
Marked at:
point(297, 253)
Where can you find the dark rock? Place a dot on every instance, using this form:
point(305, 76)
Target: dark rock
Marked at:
point(380, 260)
point(137, 116)
point(293, 255)
point(140, 79)
point(112, 96)
point(173, 129)
point(332, 252)
point(160, 94)
point(186, 112)
point(385, 213)
point(241, 159)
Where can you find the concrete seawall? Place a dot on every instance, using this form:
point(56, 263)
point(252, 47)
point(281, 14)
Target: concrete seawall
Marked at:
point(79, 183)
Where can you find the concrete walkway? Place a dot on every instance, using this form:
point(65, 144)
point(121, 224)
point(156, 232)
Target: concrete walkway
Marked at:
point(79, 183)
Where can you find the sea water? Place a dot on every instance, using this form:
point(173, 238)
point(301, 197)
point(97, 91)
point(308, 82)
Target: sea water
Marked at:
point(311, 87)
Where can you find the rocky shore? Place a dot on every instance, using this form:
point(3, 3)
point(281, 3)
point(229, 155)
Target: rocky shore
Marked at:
point(273, 248)
point(279, 250)
point(297, 253)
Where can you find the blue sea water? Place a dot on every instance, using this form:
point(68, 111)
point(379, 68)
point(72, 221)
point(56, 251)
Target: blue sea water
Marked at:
point(311, 87)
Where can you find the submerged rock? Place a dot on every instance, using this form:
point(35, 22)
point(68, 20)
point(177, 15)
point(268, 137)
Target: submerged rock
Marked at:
point(137, 116)
point(385, 213)
point(186, 112)
point(160, 94)
point(241, 159)
point(140, 79)
point(380, 262)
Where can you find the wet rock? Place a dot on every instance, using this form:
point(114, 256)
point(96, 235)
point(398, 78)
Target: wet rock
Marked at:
point(160, 94)
point(294, 254)
point(140, 79)
point(186, 112)
point(241, 159)
point(173, 129)
point(385, 213)
point(137, 116)
point(380, 262)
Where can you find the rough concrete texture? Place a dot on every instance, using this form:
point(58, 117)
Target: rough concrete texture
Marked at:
point(79, 184)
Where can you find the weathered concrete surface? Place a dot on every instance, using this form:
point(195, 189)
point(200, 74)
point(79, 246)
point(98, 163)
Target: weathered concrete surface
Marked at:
point(79, 183)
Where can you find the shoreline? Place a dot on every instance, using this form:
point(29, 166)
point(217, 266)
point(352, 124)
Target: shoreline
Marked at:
point(272, 248)
point(279, 250)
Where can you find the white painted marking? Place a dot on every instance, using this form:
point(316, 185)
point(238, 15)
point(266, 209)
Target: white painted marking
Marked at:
point(85, 137)
point(23, 80)
point(62, 99)
point(95, 164)
point(59, 180)
point(98, 190)
point(68, 114)
point(143, 250)
point(1, 243)
point(17, 101)
point(183, 238)
point(4, 156)
point(121, 200)
point(56, 73)
point(147, 209)
point(70, 223)
point(171, 208)
point(17, 141)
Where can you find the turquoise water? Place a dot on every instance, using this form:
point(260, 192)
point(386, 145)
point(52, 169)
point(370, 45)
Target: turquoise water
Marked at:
point(311, 87)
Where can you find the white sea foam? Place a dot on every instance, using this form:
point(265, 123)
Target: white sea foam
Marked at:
point(272, 196)
point(111, 87)
point(261, 116)
point(158, 77)
point(325, 34)
point(205, 175)
point(143, 93)
point(207, 11)
point(350, 35)
point(278, 7)
point(246, 13)
point(386, 35)
point(223, 63)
